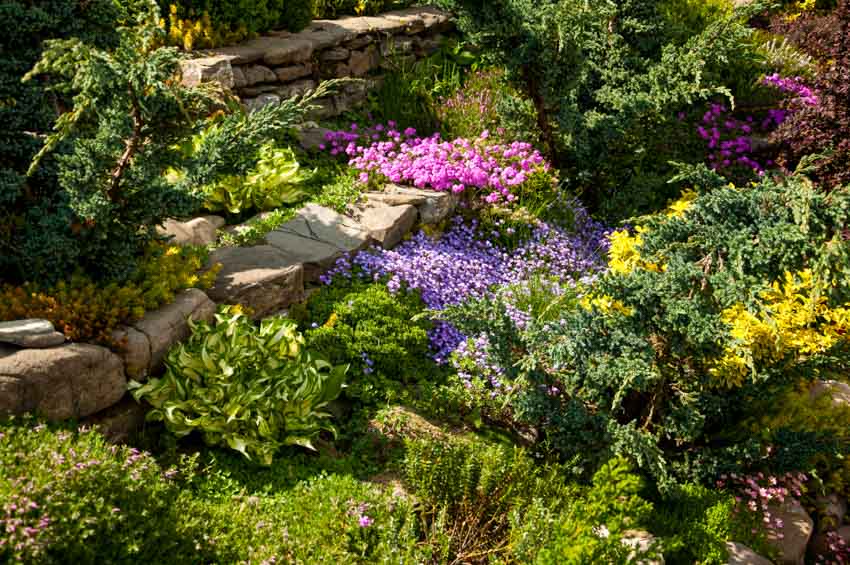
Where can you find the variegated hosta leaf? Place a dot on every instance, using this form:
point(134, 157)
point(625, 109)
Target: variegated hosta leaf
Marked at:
point(251, 388)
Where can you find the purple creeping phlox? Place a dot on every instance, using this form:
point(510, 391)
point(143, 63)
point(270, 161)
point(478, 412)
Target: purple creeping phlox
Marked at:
point(464, 264)
point(431, 162)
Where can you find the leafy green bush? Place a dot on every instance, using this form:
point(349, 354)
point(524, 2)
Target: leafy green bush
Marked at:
point(251, 388)
point(374, 331)
point(607, 81)
point(113, 148)
point(70, 497)
point(696, 523)
point(274, 181)
point(592, 529)
point(33, 212)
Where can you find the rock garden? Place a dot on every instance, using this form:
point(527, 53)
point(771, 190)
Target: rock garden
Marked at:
point(521, 281)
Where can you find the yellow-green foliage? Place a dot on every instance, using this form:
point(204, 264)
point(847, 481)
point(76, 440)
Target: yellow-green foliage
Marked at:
point(793, 323)
point(200, 33)
point(86, 311)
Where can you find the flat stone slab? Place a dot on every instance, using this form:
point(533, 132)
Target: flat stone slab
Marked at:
point(317, 237)
point(68, 381)
point(260, 277)
point(436, 207)
point(32, 333)
point(197, 231)
point(389, 224)
point(740, 554)
point(279, 49)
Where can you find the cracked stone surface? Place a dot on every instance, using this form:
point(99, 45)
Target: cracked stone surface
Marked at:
point(433, 206)
point(68, 381)
point(389, 224)
point(260, 277)
point(317, 237)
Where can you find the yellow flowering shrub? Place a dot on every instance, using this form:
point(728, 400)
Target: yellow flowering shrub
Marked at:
point(85, 310)
point(605, 304)
point(678, 208)
point(624, 252)
point(624, 255)
point(199, 33)
point(793, 321)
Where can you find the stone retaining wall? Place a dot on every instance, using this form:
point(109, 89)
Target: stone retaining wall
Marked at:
point(283, 64)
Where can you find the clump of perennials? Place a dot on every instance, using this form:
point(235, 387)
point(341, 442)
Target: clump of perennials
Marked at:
point(460, 165)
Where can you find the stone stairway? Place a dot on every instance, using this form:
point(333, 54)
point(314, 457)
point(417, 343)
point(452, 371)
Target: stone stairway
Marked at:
point(271, 276)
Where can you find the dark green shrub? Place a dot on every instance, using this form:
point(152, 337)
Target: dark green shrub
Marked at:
point(374, 331)
point(709, 311)
point(34, 216)
point(114, 147)
point(607, 81)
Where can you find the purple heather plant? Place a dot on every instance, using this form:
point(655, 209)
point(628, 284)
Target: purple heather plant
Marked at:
point(465, 264)
point(382, 152)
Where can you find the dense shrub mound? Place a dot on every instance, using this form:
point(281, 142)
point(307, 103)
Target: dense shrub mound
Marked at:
point(708, 313)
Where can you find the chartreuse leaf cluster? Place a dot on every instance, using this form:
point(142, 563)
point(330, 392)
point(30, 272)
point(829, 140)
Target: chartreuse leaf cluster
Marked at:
point(251, 388)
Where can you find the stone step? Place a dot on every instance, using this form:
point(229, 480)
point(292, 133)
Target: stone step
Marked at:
point(433, 206)
point(316, 237)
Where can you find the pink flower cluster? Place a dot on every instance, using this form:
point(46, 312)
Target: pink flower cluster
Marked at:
point(760, 495)
point(793, 85)
point(430, 162)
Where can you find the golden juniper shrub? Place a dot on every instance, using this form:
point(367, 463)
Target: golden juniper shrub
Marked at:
point(87, 311)
point(793, 323)
point(605, 304)
point(624, 253)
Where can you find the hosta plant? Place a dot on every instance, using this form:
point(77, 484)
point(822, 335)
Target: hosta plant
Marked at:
point(273, 182)
point(252, 388)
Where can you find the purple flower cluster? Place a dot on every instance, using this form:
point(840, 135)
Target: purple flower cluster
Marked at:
point(729, 141)
point(23, 526)
point(358, 510)
point(430, 162)
point(474, 352)
point(802, 94)
point(464, 264)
